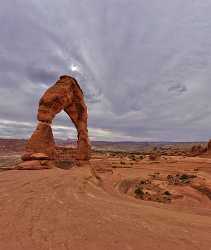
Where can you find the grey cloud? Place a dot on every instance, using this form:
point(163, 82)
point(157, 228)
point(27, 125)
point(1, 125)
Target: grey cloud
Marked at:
point(144, 66)
point(179, 88)
point(40, 75)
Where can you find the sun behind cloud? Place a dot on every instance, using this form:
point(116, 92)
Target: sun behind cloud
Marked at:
point(74, 68)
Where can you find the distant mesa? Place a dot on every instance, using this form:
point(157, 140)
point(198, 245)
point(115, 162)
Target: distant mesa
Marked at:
point(41, 150)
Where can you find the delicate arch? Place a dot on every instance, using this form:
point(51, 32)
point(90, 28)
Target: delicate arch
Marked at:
point(66, 95)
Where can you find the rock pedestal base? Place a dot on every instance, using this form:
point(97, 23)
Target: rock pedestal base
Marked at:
point(36, 165)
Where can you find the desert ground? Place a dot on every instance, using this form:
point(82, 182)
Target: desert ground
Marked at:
point(118, 200)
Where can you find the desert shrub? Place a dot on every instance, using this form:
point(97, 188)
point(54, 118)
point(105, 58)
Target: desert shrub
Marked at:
point(184, 177)
point(145, 182)
point(141, 157)
point(139, 192)
point(132, 157)
point(167, 193)
point(180, 179)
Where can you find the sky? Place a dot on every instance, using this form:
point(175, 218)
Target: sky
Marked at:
point(144, 66)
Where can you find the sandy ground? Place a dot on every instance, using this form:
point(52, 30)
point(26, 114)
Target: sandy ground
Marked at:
point(71, 209)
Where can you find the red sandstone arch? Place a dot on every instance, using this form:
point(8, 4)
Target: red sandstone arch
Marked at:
point(66, 95)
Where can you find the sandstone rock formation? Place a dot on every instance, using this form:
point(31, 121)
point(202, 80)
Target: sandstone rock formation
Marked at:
point(209, 146)
point(198, 150)
point(66, 95)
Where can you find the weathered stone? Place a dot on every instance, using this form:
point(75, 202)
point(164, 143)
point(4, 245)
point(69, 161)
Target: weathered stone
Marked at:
point(26, 157)
point(35, 156)
point(47, 163)
point(198, 150)
point(42, 141)
point(33, 165)
point(209, 146)
point(40, 156)
point(66, 95)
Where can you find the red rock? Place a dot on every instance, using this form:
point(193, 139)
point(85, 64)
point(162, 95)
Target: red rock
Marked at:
point(33, 165)
point(209, 146)
point(42, 141)
point(66, 95)
point(35, 156)
point(198, 150)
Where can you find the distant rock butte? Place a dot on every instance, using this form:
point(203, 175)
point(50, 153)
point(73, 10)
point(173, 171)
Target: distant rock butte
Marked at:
point(66, 95)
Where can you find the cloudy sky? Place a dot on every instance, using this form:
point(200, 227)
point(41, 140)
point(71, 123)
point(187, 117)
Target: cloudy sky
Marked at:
point(145, 66)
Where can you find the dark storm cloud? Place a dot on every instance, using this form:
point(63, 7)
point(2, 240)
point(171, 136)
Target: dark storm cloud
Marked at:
point(144, 66)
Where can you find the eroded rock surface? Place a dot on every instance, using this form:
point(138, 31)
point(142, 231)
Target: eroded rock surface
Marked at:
point(66, 95)
point(41, 141)
point(198, 150)
point(209, 146)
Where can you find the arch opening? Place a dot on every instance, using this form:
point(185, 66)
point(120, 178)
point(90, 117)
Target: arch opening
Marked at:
point(64, 130)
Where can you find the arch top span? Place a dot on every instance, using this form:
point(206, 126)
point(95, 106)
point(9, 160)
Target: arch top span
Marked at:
point(67, 95)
